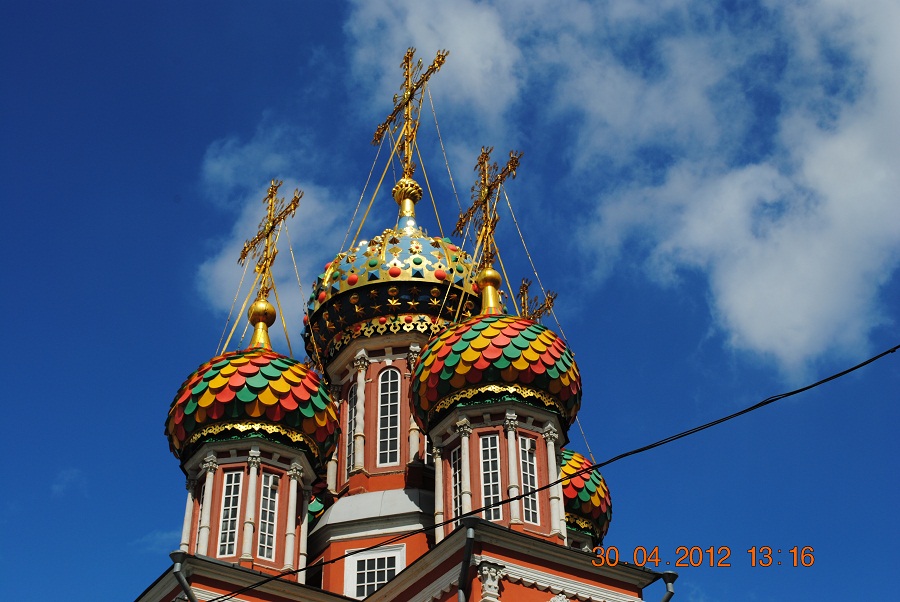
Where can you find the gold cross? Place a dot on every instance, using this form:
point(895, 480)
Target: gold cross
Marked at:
point(530, 308)
point(407, 103)
point(276, 212)
point(482, 214)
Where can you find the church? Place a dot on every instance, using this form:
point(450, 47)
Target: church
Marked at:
point(419, 453)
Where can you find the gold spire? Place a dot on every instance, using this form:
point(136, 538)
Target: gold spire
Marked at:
point(407, 191)
point(262, 248)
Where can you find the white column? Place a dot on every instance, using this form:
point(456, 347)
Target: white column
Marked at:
point(332, 465)
point(250, 510)
point(557, 518)
point(414, 439)
point(294, 474)
point(414, 432)
point(304, 533)
point(188, 516)
point(361, 364)
point(438, 493)
point(464, 428)
point(210, 466)
point(512, 454)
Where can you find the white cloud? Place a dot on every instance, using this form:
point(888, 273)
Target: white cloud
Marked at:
point(157, 541)
point(757, 145)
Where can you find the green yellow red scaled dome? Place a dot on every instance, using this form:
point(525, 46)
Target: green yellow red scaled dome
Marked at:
point(253, 391)
point(585, 496)
point(495, 354)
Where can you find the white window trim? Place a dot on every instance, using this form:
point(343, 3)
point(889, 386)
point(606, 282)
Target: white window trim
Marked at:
point(398, 552)
point(381, 407)
point(273, 481)
point(237, 513)
point(491, 478)
point(352, 400)
point(524, 452)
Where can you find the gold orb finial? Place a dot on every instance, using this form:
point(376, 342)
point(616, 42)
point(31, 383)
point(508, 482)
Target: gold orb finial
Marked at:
point(261, 315)
point(407, 193)
point(488, 281)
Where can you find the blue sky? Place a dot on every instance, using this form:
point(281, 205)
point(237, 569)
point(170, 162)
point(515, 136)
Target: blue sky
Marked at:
point(711, 187)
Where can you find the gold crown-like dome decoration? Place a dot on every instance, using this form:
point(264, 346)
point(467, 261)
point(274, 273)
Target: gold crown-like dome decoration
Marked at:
point(400, 281)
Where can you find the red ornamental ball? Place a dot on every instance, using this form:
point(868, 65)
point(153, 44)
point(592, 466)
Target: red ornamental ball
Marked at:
point(382, 320)
point(440, 274)
point(322, 297)
point(352, 279)
point(395, 271)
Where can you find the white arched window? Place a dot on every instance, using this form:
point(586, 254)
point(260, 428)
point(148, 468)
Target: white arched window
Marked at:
point(389, 417)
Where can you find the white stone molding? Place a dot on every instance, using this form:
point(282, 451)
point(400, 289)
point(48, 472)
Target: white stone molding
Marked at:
point(557, 518)
point(294, 474)
point(464, 428)
point(513, 467)
point(557, 584)
point(210, 466)
point(360, 364)
point(304, 535)
point(490, 574)
point(438, 494)
point(414, 438)
point(253, 461)
point(185, 544)
point(558, 598)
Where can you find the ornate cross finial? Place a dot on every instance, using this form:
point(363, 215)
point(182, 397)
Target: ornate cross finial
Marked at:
point(406, 102)
point(529, 307)
point(483, 214)
point(262, 246)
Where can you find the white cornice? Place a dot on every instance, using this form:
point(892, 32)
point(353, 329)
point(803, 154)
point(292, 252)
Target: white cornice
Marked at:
point(556, 584)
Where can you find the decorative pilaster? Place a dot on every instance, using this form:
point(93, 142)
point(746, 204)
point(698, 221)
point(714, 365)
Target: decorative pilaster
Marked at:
point(185, 545)
point(414, 438)
point(360, 364)
point(557, 519)
point(438, 493)
point(464, 428)
point(210, 466)
point(512, 454)
point(250, 508)
point(489, 573)
point(295, 474)
point(304, 535)
point(331, 466)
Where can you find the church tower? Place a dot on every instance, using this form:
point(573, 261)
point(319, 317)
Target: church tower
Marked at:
point(252, 429)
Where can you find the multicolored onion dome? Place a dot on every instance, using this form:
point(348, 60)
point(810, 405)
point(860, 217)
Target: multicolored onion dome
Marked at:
point(585, 496)
point(495, 357)
point(396, 282)
point(254, 392)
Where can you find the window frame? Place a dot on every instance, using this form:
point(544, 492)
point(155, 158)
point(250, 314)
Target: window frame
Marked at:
point(529, 472)
point(268, 527)
point(234, 512)
point(455, 461)
point(388, 410)
point(352, 408)
point(491, 476)
point(352, 571)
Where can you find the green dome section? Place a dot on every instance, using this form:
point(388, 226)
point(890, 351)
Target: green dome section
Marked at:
point(400, 281)
point(586, 497)
point(254, 392)
point(495, 356)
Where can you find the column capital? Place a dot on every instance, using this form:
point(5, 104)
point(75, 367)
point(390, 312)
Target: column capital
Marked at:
point(295, 472)
point(464, 427)
point(209, 464)
point(190, 484)
point(361, 361)
point(412, 356)
point(490, 573)
point(436, 453)
point(550, 433)
point(254, 461)
point(510, 423)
